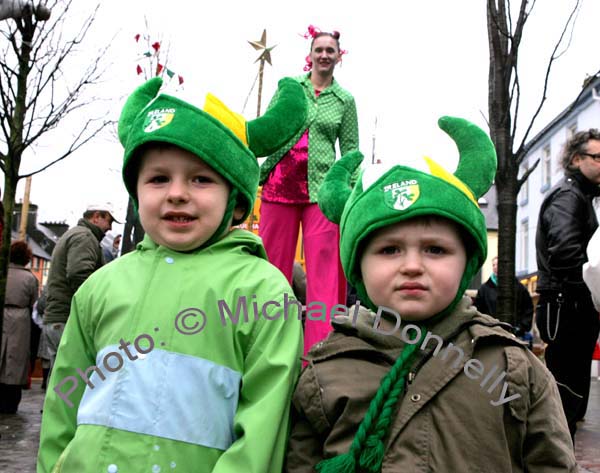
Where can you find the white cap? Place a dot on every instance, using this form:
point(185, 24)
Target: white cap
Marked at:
point(103, 207)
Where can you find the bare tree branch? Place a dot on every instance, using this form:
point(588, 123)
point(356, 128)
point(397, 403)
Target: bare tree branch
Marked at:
point(37, 94)
point(523, 178)
point(504, 109)
point(553, 57)
point(515, 96)
point(75, 145)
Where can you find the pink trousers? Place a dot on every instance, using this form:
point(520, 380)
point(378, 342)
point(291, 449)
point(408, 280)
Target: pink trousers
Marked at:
point(325, 281)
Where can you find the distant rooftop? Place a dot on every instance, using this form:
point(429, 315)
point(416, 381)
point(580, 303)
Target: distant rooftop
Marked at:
point(36, 249)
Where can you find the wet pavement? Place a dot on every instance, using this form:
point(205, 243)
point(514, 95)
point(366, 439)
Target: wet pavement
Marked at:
point(20, 434)
point(587, 438)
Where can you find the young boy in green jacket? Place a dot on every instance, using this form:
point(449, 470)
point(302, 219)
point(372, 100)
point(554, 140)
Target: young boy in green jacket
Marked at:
point(426, 383)
point(166, 364)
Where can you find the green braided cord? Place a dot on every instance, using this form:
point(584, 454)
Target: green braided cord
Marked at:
point(367, 446)
point(371, 457)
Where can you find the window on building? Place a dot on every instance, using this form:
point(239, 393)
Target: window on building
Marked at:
point(546, 167)
point(524, 192)
point(524, 246)
point(571, 130)
point(36, 264)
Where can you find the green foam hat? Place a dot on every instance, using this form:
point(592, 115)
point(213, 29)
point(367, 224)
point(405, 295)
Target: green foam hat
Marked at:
point(385, 195)
point(221, 138)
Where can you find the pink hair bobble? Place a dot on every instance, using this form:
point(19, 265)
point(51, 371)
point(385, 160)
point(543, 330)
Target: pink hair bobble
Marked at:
point(308, 66)
point(311, 32)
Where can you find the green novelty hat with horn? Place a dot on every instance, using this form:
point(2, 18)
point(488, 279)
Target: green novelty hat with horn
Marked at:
point(221, 138)
point(385, 195)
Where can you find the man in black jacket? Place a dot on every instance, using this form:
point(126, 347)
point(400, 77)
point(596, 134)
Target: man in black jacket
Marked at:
point(565, 313)
point(487, 296)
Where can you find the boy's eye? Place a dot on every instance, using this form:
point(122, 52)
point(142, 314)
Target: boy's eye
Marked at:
point(158, 179)
point(389, 250)
point(436, 250)
point(203, 179)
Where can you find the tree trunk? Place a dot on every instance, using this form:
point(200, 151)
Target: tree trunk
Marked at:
point(507, 216)
point(8, 201)
point(500, 120)
point(30, 106)
point(12, 160)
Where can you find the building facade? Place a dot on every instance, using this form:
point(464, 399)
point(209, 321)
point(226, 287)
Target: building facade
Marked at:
point(41, 237)
point(547, 146)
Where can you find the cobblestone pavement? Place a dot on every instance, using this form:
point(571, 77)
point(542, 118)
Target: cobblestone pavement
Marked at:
point(20, 434)
point(587, 438)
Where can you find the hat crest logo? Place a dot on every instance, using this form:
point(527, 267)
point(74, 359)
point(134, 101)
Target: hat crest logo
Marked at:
point(401, 195)
point(157, 119)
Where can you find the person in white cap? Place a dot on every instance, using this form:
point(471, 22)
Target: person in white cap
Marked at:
point(76, 256)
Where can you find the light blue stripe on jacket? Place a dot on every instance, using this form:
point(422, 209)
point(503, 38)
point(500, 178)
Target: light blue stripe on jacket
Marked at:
point(164, 394)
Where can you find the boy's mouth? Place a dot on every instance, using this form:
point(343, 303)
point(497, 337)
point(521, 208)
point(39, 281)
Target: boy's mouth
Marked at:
point(412, 285)
point(412, 289)
point(178, 217)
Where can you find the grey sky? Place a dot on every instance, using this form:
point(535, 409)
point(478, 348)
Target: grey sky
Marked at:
point(407, 64)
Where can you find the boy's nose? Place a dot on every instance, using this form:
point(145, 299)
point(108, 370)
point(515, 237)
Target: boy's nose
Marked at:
point(178, 192)
point(412, 262)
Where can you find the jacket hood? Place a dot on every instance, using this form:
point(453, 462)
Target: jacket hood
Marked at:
point(96, 230)
point(109, 239)
point(355, 332)
point(242, 241)
point(587, 186)
point(385, 335)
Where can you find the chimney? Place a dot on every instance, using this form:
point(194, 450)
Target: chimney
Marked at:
point(58, 228)
point(31, 217)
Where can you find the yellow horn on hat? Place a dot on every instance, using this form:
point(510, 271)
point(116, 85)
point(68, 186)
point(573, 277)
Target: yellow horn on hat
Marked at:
point(234, 121)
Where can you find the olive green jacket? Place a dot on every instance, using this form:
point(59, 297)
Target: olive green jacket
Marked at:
point(331, 116)
point(500, 413)
point(75, 257)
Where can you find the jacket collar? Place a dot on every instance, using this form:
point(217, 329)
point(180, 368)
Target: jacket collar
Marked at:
point(96, 230)
point(586, 186)
point(358, 335)
point(334, 87)
point(239, 241)
point(17, 266)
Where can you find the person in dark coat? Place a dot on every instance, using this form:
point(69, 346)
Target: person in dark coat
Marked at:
point(487, 295)
point(76, 256)
point(21, 293)
point(299, 282)
point(565, 314)
point(40, 307)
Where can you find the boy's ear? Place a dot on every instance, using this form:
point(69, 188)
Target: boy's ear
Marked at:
point(238, 212)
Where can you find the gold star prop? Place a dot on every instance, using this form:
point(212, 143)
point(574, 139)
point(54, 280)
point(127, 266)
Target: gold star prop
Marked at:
point(262, 44)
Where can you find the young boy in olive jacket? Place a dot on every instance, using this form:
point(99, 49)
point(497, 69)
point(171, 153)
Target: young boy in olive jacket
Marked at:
point(160, 367)
point(426, 383)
